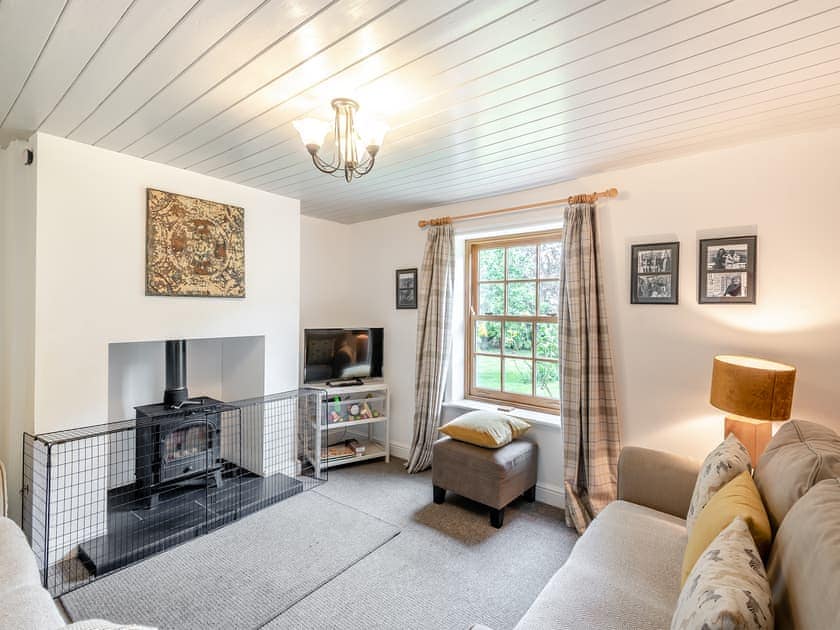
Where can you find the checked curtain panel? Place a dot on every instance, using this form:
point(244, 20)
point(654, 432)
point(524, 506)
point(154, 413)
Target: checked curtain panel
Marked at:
point(591, 433)
point(434, 342)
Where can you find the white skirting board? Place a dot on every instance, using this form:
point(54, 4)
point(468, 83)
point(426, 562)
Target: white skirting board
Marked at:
point(552, 495)
point(547, 493)
point(399, 451)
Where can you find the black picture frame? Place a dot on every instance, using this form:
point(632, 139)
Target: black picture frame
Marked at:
point(406, 288)
point(655, 273)
point(726, 266)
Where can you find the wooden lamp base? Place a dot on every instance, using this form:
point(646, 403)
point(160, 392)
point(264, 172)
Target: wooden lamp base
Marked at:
point(753, 434)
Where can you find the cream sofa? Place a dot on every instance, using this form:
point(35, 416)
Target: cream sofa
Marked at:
point(624, 572)
point(24, 603)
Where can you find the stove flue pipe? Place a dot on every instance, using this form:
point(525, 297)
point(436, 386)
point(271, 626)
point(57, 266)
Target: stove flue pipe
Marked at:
point(176, 373)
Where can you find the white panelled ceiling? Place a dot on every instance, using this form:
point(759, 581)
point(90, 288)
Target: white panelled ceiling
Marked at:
point(483, 96)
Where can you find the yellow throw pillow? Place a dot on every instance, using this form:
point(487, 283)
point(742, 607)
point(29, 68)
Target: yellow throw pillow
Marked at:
point(489, 429)
point(739, 497)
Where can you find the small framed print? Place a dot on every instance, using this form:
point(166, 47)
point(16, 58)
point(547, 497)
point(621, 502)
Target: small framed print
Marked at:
point(727, 270)
point(655, 273)
point(407, 288)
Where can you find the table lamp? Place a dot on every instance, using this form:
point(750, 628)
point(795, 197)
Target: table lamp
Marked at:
point(754, 393)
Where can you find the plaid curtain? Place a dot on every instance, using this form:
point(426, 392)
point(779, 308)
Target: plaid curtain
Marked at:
point(434, 342)
point(591, 433)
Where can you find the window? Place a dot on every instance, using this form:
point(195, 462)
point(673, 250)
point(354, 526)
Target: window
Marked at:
point(513, 340)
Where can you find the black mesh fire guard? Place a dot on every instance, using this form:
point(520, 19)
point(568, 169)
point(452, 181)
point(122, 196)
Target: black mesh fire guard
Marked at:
point(100, 498)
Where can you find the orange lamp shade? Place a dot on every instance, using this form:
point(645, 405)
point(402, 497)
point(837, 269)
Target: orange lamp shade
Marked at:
point(752, 388)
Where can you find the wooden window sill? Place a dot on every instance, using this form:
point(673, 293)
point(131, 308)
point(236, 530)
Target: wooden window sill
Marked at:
point(540, 418)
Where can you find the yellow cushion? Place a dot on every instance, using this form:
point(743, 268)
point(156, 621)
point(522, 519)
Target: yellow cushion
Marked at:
point(739, 497)
point(490, 429)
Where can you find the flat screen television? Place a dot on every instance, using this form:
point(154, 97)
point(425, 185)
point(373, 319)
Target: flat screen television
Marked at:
point(341, 353)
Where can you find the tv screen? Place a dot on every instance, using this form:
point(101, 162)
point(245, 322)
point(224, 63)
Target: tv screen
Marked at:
point(339, 353)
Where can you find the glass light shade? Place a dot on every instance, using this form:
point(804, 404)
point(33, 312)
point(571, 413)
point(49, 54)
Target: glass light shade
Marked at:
point(312, 131)
point(371, 131)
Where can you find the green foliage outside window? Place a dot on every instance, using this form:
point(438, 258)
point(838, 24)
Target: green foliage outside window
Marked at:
point(518, 280)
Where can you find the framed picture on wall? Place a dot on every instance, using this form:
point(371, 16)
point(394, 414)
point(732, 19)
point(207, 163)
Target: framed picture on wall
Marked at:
point(655, 273)
point(407, 288)
point(194, 247)
point(727, 270)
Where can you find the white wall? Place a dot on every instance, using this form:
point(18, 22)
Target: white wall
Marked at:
point(328, 258)
point(17, 310)
point(91, 231)
point(784, 190)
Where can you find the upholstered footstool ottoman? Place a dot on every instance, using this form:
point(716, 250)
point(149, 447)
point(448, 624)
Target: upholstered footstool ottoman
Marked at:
point(491, 476)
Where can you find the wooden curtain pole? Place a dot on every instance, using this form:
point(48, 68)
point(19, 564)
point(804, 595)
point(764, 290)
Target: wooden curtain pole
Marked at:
point(610, 192)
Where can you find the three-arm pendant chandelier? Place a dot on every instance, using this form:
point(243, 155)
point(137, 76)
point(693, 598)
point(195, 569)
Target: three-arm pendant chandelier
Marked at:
point(355, 140)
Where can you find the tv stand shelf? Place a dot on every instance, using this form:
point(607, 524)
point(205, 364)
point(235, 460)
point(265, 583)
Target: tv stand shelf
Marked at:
point(354, 412)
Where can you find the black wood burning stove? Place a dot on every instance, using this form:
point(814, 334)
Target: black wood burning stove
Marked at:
point(178, 441)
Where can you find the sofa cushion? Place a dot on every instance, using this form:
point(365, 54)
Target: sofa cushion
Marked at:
point(624, 572)
point(23, 601)
point(29, 607)
point(728, 586)
point(728, 460)
point(799, 455)
point(490, 429)
point(804, 565)
point(738, 498)
point(17, 563)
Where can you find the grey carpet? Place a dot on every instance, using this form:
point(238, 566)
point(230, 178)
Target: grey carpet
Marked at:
point(447, 569)
point(240, 576)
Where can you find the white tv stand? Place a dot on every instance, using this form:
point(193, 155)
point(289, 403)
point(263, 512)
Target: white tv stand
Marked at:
point(336, 420)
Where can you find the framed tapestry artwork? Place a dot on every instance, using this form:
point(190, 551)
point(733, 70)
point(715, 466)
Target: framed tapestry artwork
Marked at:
point(194, 247)
point(727, 270)
point(407, 288)
point(655, 273)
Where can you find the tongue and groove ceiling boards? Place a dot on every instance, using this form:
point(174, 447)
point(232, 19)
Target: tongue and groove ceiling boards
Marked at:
point(483, 96)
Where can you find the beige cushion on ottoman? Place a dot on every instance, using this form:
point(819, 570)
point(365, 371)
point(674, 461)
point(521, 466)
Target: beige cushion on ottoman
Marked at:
point(800, 455)
point(493, 477)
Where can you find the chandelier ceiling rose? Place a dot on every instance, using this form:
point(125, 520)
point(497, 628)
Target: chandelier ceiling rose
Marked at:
point(355, 140)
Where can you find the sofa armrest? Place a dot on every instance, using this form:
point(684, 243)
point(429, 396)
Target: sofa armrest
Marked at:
point(4, 500)
point(658, 480)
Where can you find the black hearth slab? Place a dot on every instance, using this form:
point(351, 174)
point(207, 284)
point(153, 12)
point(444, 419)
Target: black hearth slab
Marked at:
point(135, 533)
point(260, 492)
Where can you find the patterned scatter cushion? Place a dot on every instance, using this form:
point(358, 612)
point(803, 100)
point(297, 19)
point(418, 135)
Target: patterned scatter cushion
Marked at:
point(728, 587)
point(729, 459)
